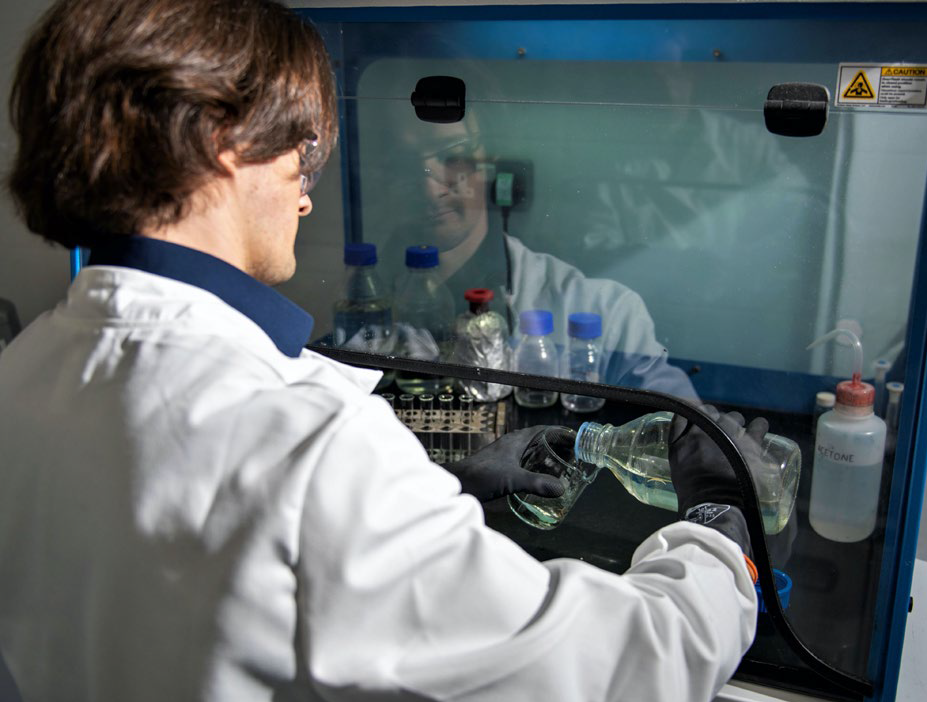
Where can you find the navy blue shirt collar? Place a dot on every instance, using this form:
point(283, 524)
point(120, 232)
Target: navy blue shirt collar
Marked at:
point(287, 325)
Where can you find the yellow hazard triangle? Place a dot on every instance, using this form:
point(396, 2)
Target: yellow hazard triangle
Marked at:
point(859, 88)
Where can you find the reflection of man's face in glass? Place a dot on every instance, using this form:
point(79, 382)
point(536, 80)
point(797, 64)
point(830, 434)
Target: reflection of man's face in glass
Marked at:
point(451, 177)
point(455, 188)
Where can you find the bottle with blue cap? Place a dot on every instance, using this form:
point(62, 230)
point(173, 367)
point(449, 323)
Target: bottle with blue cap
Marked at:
point(536, 354)
point(424, 327)
point(582, 360)
point(363, 317)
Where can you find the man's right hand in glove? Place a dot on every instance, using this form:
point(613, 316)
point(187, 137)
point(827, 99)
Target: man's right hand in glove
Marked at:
point(706, 488)
point(495, 471)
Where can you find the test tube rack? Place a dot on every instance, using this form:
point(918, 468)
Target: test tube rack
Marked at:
point(455, 429)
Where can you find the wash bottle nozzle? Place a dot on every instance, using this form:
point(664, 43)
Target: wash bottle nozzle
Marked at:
point(850, 393)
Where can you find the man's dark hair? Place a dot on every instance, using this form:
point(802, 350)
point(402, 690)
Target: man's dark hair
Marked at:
point(123, 106)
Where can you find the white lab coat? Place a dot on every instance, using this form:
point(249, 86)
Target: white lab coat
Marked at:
point(186, 513)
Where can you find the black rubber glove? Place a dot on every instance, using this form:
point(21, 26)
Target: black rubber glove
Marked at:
point(494, 470)
point(706, 487)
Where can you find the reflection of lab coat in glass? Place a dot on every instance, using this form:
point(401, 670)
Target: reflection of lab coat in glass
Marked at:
point(186, 513)
point(633, 356)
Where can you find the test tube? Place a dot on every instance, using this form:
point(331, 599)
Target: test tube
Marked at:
point(389, 397)
point(446, 405)
point(466, 418)
point(880, 370)
point(406, 405)
point(446, 436)
point(426, 403)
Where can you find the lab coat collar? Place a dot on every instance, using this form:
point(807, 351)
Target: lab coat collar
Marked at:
point(287, 325)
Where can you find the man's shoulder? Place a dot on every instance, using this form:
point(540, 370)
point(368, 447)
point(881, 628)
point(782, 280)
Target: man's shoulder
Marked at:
point(187, 341)
point(542, 271)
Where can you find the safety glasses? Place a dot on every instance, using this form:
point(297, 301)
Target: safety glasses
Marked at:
point(307, 177)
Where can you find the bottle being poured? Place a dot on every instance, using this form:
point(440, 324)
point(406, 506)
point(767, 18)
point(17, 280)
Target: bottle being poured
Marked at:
point(849, 447)
point(637, 454)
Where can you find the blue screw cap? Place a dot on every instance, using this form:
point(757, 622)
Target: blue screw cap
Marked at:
point(783, 589)
point(536, 322)
point(422, 256)
point(582, 325)
point(360, 254)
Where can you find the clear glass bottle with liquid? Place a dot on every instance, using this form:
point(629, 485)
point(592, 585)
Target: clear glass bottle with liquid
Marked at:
point(363, 316)
point(582, 360)
point(424, 312)
point(481, 338)
point(536, 354)
point(637, 454)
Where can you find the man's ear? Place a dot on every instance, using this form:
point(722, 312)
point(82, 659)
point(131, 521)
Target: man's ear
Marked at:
point(226, 153)
point(228, 159)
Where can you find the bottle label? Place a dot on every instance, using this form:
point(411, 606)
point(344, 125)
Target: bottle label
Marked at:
point(857, 454)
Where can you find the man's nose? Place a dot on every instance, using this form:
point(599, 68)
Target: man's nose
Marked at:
point(435, 182)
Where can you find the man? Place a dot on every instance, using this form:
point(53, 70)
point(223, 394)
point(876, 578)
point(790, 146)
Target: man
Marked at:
point(195, 507)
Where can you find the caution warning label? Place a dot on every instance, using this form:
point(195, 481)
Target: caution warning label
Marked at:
point(859, 89)
point(882, 85)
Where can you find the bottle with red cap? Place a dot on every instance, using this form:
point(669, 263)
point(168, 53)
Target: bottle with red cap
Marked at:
point(481, 339)
point(849, 449)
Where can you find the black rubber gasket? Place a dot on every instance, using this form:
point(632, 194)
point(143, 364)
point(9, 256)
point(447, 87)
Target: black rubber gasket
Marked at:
point(659, 402)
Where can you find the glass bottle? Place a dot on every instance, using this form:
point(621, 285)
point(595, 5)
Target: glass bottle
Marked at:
point(424, 309)
point(482, 339)
point(363, 316)
point(582, 360)
point(637, 454)
point(536, 354)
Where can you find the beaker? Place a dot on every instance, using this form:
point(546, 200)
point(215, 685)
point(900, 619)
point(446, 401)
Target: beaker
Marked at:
point(550, 452)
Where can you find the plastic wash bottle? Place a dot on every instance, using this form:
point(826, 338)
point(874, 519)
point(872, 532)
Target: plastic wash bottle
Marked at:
point(849, 448)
